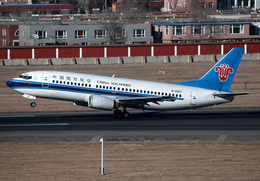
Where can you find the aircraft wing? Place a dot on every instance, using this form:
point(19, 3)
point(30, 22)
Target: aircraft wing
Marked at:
point(145, 100)
point(231, 94)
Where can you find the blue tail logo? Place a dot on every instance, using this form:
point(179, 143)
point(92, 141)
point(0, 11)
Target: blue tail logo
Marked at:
point(221, 75)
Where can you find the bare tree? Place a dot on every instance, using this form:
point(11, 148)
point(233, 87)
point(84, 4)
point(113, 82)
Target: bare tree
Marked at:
point(198, 15)
point(131, 10)
point(115, 32)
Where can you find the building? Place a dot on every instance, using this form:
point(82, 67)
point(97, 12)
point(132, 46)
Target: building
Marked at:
point(82, 33)
point(189, 5)
point(239, 4)
point(9, 2)
point(9, 35)
point(199, 32)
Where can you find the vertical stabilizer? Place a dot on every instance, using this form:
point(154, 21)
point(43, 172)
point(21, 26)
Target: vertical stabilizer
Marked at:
point(221, 75)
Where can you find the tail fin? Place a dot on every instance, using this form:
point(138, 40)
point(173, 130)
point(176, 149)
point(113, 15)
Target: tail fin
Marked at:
point(221, 75)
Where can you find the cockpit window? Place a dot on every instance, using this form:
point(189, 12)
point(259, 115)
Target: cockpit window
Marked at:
point(25, 77)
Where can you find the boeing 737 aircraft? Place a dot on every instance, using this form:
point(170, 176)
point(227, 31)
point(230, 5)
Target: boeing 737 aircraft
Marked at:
point(108, 93)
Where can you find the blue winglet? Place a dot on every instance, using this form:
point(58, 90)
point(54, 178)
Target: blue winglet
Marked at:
point(221, 75)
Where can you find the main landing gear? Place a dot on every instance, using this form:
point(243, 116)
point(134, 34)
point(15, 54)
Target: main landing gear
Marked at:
point(33, 104)
point(120, 114)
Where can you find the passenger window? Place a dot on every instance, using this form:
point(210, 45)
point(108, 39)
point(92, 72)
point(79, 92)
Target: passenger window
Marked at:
point(96, 86)
point(141, 91)
point(53, 81)
point(71, 83)
point(126, 89)
point(89, 85)
point(57, 81)
point(180, 95)
point(68, 83)
point(133, 90)
point(162, 93)
point(148, 92)
point(151, 92)
point(114, 88)
point(64, 82)
point(100, 86)
point(75, 83)
point(158, 93)
point(166, 94)
point(107, 87)
point(79, 84)
point(155, 93)
point(130, 90)
point(176, 95)
point(104, 87)
point(110, 87)
point(137, 90)
point(144, 91)
point(118, 88)
point(122, 89)
point(60, 82)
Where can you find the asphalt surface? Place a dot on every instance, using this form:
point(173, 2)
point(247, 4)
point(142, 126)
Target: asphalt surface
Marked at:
point(202, 124)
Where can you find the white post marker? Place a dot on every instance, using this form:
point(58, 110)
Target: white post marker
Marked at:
point(102, 167)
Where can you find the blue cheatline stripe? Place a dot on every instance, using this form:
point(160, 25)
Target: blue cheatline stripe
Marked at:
point(68, 88)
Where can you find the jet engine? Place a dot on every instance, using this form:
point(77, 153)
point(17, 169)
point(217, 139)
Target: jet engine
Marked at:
point(100, 102)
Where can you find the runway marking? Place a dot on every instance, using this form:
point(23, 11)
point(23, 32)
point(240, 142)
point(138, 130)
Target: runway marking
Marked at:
point(222, 137)
point(16, 116)
point(52, 124)
point(96, 138)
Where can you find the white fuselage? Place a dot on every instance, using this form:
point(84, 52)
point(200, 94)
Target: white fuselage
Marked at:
point(77, 87)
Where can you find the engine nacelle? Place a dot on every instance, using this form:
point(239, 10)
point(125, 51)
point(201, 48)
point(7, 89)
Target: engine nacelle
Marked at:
point(100, 102)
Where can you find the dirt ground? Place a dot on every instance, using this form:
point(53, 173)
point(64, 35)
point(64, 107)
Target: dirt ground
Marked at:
point(169, 160)
point(248, 72)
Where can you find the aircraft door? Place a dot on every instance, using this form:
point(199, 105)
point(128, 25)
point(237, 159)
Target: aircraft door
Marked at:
point(45, 80)
point(193, 98)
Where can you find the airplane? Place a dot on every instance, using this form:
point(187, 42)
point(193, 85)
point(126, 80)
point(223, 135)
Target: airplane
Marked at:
point(111, 93)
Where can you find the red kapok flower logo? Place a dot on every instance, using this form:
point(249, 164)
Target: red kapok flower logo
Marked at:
point(223, 72)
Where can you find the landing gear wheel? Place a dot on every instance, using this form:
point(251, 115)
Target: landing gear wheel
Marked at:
point(125, 114)
point(33, 104)
point(117, 113)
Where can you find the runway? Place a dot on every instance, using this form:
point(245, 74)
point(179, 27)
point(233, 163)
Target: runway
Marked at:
point(241, 124)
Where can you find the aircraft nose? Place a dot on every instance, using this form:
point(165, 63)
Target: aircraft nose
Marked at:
point(9, 83)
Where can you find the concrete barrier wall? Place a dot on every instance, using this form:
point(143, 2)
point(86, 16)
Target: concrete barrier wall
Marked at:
point(122, 60)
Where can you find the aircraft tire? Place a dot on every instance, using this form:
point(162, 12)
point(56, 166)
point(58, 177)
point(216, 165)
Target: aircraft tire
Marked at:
point(33, 104)
point(117, 114)
point(125, 114)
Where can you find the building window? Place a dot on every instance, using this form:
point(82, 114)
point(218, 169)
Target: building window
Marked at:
point(119, 33)
point(217, 29)
point(61, 34)
point(170, 6)
point(236, 29)
point(3, 42)
point(178, 30)
point(211, 5)
point(100, 33)
point(166, 30)
point(16, 33)
point(41, 34)
point(80, 34)
point(139, 33)
point(198, 29)
point(179, 3)
point(4, 32)
point(159, 28)
point(202, 5)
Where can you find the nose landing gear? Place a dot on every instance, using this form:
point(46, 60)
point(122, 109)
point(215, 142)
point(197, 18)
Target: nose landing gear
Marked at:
point(33, 104)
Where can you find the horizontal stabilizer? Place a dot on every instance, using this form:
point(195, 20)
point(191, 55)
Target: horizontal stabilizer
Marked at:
point(231, 94)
